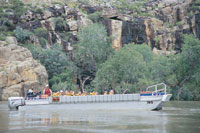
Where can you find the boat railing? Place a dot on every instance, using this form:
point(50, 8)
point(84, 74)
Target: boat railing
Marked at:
point(97, 98)
point(156, 90)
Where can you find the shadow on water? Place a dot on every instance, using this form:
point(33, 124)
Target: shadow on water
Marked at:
point(175, 117)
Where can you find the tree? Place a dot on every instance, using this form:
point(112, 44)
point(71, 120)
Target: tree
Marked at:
point(22, 35)
point(54, 60)
point(131, 68)
point(63, 81)
point(187, 70)
point(92, 50)
point(125, 69)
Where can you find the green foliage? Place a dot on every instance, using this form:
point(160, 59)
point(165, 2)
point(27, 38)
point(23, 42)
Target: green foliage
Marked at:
point(22, 35)
point(179, 23)
point(187, 69)
point(2, 38)
point(195, 6)
point(157, 40)
point(126, 67)
point(59, 86)
point(10, 13)
point(146, 14)
point(124, 5)
point(92, 49)
point(63, 81)
point(17, 7)
point(85, 2)
point(169, 25)
point(95, 17)
point(41, 32)
point(43, 42)
point(35, 50)
point(54, 60)
point(60, 69)
point(132, 67)
point(60, 24)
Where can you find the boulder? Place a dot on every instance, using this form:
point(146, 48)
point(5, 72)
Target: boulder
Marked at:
point(19, 71)
point(11, 40)
point(73, 26)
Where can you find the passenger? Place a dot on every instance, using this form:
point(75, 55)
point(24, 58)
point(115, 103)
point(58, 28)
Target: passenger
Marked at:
point(95, 92)
point(91, 93)
point(62, 92)
point(30, 91)
point(67, 93)
point(78, 94)
point(72, 93)
point(111, 92)
point(54, 94)
point(105, 93)
point(84, 93)
point(47, 91)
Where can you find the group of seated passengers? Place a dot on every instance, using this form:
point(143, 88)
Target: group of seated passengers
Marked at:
point(72, 93)
point(30, 93)
point(47, 91)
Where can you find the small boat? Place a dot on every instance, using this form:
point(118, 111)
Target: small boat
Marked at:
point(153, 98)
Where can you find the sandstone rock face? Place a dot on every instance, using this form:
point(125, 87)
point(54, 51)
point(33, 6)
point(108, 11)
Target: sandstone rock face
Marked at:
point(161, 28)
point(19, 71)
point(115, 31)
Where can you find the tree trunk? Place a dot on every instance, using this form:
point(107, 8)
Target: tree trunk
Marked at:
point(83, 84)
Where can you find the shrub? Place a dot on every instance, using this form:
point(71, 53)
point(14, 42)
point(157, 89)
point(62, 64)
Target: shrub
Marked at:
point(54, 60)
point(35, 50)
point(169, 25)
point(179, 23)
point(64, 80)
point(2, 38)
point(43, 42)
point(22, 35)
point(61, 24)
point(41, 32)
point(95, 17)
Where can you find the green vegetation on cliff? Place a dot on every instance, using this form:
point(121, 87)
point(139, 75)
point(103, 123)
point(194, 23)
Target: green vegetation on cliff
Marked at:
point(10, 13)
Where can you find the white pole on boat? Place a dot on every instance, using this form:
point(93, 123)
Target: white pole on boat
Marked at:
point(156, 89)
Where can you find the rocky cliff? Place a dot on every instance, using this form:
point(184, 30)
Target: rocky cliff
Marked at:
point(18, 70)
point(159, 23)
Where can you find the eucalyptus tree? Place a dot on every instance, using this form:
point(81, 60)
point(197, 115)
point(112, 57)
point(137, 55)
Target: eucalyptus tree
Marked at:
point(187, 70)
point(124, 70)
point(92, 50)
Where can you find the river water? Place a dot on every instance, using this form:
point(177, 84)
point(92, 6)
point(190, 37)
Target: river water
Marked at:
point(176, 117)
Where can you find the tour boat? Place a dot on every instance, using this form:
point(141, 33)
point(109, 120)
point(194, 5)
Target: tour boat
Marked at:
point(153, 98)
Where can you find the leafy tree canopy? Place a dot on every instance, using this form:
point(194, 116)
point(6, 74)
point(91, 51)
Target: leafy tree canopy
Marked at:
point(92, 50)
point(187, 70)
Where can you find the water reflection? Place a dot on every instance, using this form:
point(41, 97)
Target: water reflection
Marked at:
point(52, 117)
point(175, 117)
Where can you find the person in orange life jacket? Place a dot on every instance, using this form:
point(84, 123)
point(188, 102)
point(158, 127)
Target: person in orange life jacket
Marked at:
point(47, 91)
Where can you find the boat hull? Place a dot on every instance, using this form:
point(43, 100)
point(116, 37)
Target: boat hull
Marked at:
point(37, 101)
point(100, 102)
point(134, 105)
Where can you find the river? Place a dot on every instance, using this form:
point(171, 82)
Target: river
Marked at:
point(176, 117)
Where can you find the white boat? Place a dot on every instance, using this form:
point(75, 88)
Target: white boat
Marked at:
point(150, 100)
point(37, 101)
